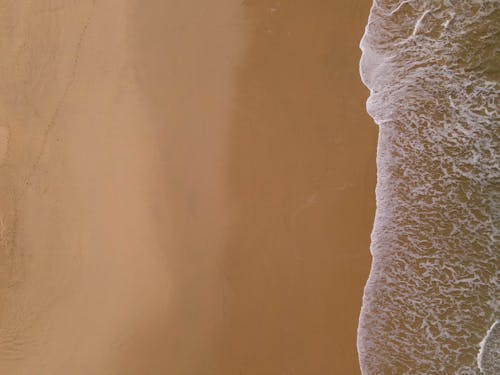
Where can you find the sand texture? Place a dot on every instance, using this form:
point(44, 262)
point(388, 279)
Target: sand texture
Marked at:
point(186, 187)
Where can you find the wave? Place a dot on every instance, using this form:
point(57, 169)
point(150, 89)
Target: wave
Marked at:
point(488, 358)
point(432, 67)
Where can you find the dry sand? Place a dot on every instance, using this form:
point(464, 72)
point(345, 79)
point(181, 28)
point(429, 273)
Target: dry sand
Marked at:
point(186, 187)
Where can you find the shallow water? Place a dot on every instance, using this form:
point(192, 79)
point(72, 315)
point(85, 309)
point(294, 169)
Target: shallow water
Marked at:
point(433, 71)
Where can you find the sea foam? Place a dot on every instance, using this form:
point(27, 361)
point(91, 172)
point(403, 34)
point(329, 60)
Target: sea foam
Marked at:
point(432, 67)
point(489, 356)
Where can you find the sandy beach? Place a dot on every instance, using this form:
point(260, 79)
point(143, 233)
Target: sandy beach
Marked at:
point(186, 188)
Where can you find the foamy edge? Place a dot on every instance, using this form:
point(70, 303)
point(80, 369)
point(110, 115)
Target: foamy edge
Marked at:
point(482, 344)
point(377, 192)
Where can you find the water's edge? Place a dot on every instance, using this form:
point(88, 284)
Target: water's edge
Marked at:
point(430, 297)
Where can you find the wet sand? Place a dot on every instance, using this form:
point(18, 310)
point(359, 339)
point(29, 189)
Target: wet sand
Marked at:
point(186, 188)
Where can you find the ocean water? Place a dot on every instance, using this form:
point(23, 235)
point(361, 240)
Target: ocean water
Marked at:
point(432, 298)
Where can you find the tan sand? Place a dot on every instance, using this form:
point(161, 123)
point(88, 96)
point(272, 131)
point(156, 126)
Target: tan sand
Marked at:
point(186, 187)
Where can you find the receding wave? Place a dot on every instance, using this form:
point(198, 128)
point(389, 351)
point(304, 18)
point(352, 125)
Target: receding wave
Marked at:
point(489, 355)
point(433, 70)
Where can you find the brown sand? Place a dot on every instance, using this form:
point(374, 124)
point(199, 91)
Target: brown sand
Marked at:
point(186, 187)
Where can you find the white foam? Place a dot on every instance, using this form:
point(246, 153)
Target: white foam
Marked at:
point(431, 288)
point(488, 358)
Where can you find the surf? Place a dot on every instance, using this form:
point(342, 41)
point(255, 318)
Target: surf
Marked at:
point(432, 71)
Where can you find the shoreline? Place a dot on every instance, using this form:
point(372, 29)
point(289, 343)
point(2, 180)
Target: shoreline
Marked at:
point(433, 238)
